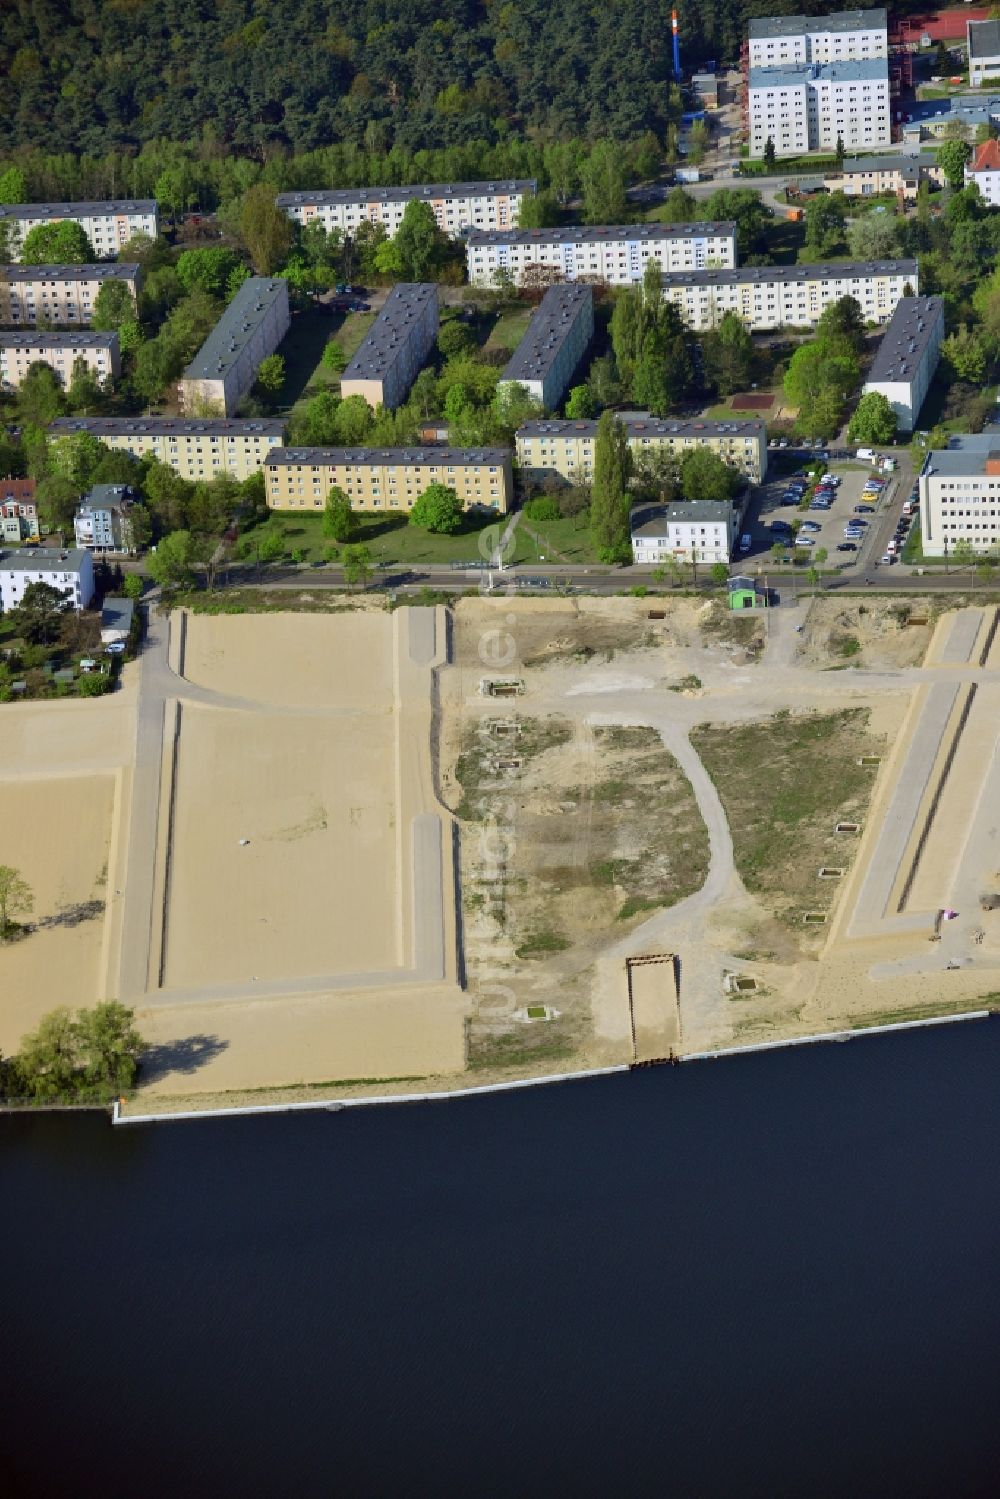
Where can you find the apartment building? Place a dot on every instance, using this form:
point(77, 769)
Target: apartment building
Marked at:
point(18, 510)
point(387, 478)
point(615, 253)
point(196, 448)
point(551, 350)
point(983, 38)
point(847, 36)
point(109, 226)
point(71, 572)
point(57, 294)
point(698, 530)
point(805, 107)
point(458, 206)
point(901, 175)
point(984, 171)
point(908, 356)
point(226, 365)
point(565, 449)
point(960, 495)
point(101, 522)
point(60, 351)
point(395, 348)
point(192, 447)
point(790, 296)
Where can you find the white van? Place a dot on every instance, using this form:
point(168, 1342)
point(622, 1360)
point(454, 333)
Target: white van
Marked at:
point(867, 455)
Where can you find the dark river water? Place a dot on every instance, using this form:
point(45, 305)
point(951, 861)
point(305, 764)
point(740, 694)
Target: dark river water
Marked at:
point(772, 1275)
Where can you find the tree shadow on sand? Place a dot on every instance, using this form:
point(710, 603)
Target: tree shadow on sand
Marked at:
point(184, 1056)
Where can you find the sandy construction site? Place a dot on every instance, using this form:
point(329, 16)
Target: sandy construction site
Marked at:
point(390, 850)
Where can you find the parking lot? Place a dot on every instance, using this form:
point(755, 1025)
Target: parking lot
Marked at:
point(825, 528)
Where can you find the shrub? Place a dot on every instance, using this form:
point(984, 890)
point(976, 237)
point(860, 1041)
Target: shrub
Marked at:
point(543, 507)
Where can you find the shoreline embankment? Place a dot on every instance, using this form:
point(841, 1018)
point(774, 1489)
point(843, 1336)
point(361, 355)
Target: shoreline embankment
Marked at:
point(445, 1095)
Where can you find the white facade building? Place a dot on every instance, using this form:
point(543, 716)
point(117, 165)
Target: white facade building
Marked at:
point(102, 522)
point(226, 365)
point(908, 356)
point(60, 351)
point(698, 530)
point(558, 336)
point(790, 296)
point(458, 206)
point(848, 36)
point(984, 171)
point(58, 294)
point(72, 572)
point(810, 106)
point(617, 254)
point(983, 39)
point(109, 226)
point(960, 495)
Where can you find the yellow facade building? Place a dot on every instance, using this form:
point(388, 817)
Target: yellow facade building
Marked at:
point(195, 448)
point(387, 478)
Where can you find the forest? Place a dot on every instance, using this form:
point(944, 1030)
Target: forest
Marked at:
point(258, 78)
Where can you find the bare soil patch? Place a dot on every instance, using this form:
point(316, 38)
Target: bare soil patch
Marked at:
point(283, 857)
point(874, 633)
point(562, 854)
point(785, 783)
point(57, 834)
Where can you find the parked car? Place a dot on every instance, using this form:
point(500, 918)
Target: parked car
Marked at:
point(864, 510)
point(888, 559)
point(746, 542)
point(805, 541)
point(811, 525)
point(847, 546)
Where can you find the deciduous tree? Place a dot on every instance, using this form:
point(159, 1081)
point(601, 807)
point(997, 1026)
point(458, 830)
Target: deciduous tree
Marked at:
point(172, 564)
point(357, 564)
point(61, 242)
point(952, 156)
point(16, 898)
point(873, 419)
point(39, 615)
point(267, 232)
point(339, 520)
point(438, 510)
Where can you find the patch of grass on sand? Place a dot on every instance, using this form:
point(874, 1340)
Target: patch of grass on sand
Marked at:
point(930, 1011)
point(785, 783)
point(540, 944)
point(523, 1048)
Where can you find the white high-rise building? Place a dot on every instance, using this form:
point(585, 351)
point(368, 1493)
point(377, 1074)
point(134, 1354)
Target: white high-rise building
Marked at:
point(790, 296)
point(458, 206)
point(848, 36)
point(109, 226)
point(615, 253)
point(803, 107)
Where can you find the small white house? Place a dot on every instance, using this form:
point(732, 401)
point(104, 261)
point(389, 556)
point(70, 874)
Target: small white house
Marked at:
point(699, 530)
point(984, 170)
point(71, 572)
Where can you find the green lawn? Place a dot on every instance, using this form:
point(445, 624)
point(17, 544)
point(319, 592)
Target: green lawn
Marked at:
point(510, 327)
point(311, 331)
point(554, 541)
point(389, 537)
